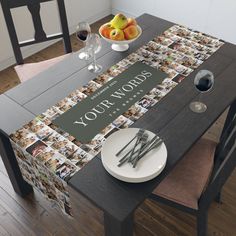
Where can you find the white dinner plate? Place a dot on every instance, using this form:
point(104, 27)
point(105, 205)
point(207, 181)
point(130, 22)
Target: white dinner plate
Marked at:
point(150, 166)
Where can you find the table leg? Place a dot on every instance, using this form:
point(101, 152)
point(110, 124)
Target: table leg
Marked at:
point(114, 227)
point(9, 159)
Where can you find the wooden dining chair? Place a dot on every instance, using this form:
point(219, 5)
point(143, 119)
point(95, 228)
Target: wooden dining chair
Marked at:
point(27, 71)
point(198, 178)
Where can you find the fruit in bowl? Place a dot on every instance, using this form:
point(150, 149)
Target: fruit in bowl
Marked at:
point(106, 30)
point(131, 32)
point(131, 21)
point(120, 31)
point(119, 21)
point(117, 34)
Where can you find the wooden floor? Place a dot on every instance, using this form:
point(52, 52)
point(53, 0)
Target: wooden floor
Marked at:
point(35, 216)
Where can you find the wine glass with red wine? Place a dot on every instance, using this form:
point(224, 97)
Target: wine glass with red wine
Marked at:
point(83, 31)
point(203, 82)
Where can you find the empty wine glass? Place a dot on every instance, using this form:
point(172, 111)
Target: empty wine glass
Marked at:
point(83, 31)
point(94, 46)
point(203, 81)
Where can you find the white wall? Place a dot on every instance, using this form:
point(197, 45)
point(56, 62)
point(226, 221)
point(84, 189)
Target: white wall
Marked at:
point(77, 10)
point(215, 17)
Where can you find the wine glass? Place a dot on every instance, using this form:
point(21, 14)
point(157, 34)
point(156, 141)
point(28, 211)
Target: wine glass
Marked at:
point(83, 31)
point(203, 81)
point(94, 46)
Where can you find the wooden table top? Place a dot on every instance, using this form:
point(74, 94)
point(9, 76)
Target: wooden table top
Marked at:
point(171, 118)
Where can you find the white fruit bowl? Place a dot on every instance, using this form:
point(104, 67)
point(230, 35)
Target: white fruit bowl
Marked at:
point(122, 45)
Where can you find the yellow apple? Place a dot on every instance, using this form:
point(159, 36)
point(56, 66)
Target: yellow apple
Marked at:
point(131, 21)
point(117, 34)
point(106, 30)
point(131, 32)
point(119, 21)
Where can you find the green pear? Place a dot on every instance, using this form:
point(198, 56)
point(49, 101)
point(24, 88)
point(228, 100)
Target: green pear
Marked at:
point(119, 21)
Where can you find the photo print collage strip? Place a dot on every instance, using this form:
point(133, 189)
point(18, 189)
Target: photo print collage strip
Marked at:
point(48, 157)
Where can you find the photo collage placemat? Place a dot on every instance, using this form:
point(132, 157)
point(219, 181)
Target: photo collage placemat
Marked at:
point(48, 157)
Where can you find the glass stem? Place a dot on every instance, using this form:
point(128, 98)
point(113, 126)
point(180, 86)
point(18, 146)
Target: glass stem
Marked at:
point(200, 97)
point(94, 60)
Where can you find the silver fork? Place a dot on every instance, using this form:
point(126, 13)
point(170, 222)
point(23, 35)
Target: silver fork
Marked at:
point(137, 135)
point(132, 152)
point(157, 143)
point(124, 158)
point(143, 141)
point(135, 145)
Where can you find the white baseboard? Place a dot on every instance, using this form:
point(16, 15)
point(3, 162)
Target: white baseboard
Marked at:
point(30, 50)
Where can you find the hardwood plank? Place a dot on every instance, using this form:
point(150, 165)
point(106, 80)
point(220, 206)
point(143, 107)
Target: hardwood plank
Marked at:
point(39, 211)
point(28, 214)
point(10, 224)
point(140, 230)
point(161, 219)
point(153, 225)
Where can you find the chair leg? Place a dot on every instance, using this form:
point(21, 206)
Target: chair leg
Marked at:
point(202, 219)
point(218, 198)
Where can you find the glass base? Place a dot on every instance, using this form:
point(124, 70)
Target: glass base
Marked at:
point(84, 56)
point(95, 68)
point(198, 107)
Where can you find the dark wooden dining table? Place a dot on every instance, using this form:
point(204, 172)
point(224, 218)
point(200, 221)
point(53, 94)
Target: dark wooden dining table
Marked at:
point(170, 118)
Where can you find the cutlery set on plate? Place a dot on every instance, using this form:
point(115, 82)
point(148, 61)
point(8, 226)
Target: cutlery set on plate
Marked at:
point(137, 148)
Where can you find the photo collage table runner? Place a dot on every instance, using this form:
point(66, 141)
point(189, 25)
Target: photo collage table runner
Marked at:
point(48, 157)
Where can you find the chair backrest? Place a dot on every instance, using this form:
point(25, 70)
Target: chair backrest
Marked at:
point(40, 35)
point(225, 158)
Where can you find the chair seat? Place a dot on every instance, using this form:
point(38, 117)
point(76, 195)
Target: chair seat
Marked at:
point(187, 181)
point(29, 70)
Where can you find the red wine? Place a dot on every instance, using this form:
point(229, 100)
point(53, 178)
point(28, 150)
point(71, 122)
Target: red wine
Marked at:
point(82, 35)
point(204, 83)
